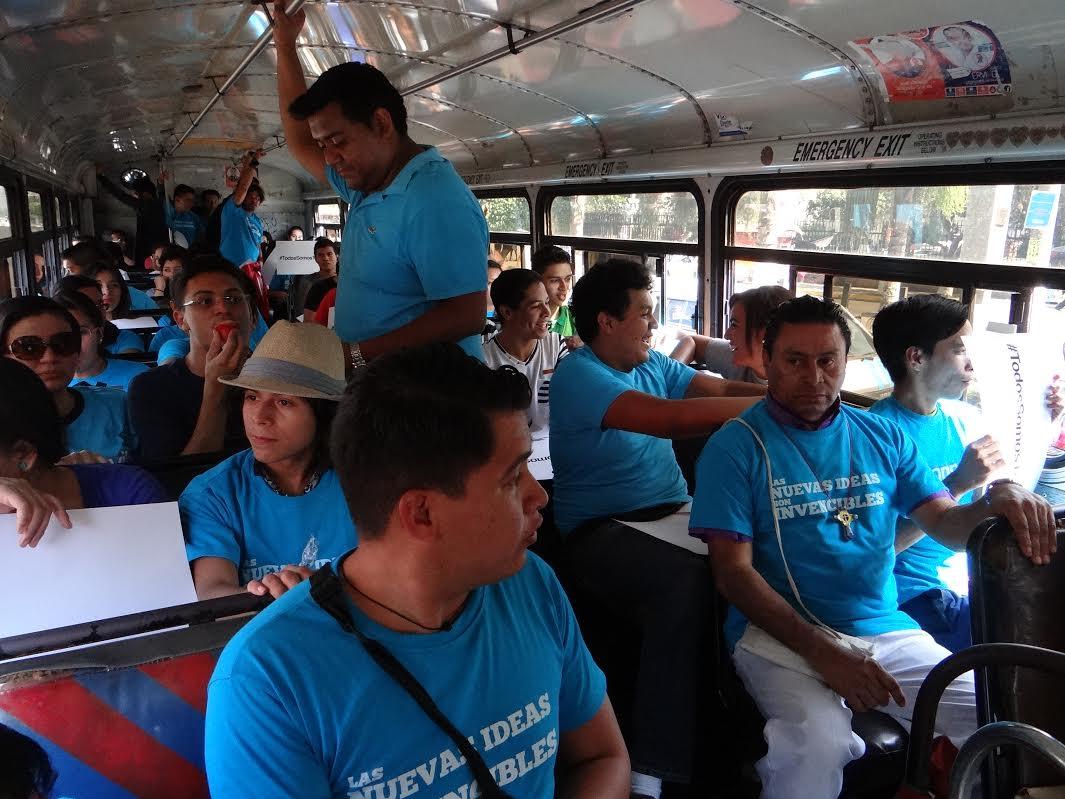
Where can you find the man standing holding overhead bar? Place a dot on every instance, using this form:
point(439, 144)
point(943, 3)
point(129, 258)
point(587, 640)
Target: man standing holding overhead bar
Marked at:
point(798, 500)
point(412, 266)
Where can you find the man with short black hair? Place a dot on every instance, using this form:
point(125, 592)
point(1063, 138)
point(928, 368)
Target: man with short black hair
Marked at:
point(798, 501)
point(85, 257)
point(442, 595)
point(415, 238)
point(615, 405)
point(242, 229)
point(920, 342)
point(145, 200)
point(555, 268)
point(309, 292)
point(180, 408)
point(524, 341)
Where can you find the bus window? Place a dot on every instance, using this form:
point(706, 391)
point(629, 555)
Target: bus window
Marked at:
point(327, 221)
point(507, 214)
point(510, 256)
point(5, 215)
point(1020, 225)
point(36, 208)
point(667, 216)
point(682, 291)
point(57, 219)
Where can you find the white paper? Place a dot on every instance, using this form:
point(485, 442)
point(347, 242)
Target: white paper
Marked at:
point(673, 529)
point(540, 459)
point(136, 323)
point(112, 562)
point(290, 258)
point(1013, 372)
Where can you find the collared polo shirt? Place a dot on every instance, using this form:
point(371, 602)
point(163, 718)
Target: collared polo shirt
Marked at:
point(420, 240)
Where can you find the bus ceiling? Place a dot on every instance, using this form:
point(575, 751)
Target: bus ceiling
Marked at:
point(551, 89)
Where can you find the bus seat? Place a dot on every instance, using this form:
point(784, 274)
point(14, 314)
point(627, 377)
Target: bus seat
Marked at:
point(877, 773)
point(175, 473)
point(124, 719)
point(1015, 601)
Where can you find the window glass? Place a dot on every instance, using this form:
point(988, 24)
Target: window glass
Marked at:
point(57, 219)
point(1008, 224)
point(509, 256)
point(682, 291)
point(75, 214)
point(327, 221)
point(5, 215)
point(670, 216)
point(36, 207)
point(507, 214)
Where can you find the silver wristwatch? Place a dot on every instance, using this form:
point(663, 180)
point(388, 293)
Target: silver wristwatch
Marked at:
point(356, 356)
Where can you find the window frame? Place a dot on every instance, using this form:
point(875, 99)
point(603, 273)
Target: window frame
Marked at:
point(969, 276)
point(522, 240)
point(643, 249)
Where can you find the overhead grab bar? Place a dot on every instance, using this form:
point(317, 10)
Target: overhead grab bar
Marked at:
point(586, 17)
point(260, 44)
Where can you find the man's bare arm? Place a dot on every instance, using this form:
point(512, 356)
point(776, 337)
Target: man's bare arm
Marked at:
point(290, 85)
point(452, 319)
point(593, 760)
point(638, 412)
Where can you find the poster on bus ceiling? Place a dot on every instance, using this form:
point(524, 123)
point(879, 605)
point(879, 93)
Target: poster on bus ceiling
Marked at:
point(962, 59)
point(1013, 372)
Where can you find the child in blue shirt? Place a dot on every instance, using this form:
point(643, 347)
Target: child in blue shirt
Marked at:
point(93, 368)
point(278, 506)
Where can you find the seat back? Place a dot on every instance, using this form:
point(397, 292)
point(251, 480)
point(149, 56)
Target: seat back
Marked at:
point(177, 472)
point(123, 719)
point(1015, 601)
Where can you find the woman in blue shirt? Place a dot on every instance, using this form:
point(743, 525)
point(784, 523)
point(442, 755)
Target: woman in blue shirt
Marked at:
point(45, 337)
point(118, 304)
point(33, 484)
point(93, 368)
point(265, 518)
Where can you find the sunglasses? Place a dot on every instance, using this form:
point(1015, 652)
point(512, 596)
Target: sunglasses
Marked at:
point(32, 348)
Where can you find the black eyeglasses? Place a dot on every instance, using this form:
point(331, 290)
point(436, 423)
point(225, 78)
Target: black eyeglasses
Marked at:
point(32, 348)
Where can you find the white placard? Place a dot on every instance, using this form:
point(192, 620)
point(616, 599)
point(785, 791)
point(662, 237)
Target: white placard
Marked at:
point(290, 258)
point(136, 323)
point(112, 562)
point(540, 459)
point(673, 529)
point(1013, 372)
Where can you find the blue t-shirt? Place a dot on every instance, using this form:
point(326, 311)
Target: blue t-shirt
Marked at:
point(140, 301)
point(418, 241)
point(127, 341)
point(186, 223)
point(606, 472)
point(230, 512)
point(242, 234)
point(106, 485)
point(116, 374)
point(941, 439)
point(859, 462)
point(103, 425)
point(296, 707)
point(165, 334)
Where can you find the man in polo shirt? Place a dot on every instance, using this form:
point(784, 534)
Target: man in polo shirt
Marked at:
point(807, 558)
point(412, 267)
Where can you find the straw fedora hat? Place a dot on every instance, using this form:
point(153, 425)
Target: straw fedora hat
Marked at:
point(303, 360)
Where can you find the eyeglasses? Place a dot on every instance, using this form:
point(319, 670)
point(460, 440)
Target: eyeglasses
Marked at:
point(206, 301)
point(32, 348)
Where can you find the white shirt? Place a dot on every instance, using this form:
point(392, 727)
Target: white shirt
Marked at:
point(538, 370)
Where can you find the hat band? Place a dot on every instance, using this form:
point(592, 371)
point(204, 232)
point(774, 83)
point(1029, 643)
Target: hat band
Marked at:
point(289, 372)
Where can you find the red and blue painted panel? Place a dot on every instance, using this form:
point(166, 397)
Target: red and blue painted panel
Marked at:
point(132, 733)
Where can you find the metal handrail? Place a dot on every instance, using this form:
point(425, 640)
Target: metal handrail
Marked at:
point(922, 727)
point(966, 770)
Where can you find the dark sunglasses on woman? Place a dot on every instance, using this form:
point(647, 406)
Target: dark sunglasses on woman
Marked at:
point(32, 348)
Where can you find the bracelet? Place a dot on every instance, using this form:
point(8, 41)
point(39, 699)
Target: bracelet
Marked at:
point(992, 484)
point(357, 358)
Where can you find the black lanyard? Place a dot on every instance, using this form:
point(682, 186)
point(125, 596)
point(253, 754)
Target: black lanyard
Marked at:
point(328, 592)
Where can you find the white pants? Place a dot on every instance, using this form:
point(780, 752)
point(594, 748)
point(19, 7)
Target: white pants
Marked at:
point(808, 728)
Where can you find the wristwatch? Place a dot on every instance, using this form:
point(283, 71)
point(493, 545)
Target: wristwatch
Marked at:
point(992, 484)
point(356, 356)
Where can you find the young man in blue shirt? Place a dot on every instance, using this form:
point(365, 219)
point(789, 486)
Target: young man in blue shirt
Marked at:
point(242, 230)
point(919, 341)
point(841, 478)
point(442, 581)
point(412, 265)
point(615, 405)
point(179, 216)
